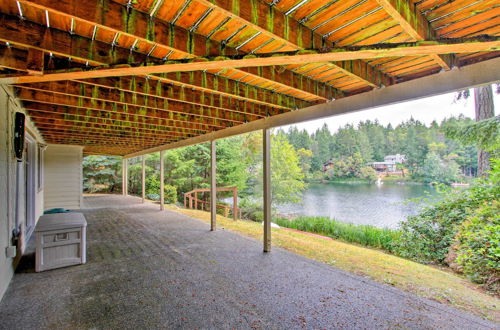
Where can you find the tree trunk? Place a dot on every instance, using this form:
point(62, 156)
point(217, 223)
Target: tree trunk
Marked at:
point(483, 99)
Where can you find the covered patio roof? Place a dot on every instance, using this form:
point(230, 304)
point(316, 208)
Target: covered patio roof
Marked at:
point(127, 77)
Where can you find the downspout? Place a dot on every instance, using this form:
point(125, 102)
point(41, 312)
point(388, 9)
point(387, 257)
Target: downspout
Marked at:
point(19, 121)
point(17, 229)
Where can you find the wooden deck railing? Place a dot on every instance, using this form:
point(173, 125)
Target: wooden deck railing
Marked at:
point(191, 201)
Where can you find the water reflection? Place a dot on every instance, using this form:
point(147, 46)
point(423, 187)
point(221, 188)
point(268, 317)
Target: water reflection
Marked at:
point(378, 205)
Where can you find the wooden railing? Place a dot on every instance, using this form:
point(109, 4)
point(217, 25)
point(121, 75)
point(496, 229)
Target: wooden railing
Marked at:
point(191, 201)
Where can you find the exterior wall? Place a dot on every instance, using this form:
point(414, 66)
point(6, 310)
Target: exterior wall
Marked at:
point(63, 177)
point(8, 167)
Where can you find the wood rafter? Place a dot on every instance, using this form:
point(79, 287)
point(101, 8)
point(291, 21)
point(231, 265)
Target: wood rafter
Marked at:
point(413, 23)
point(57, 116)
point(154, 102)
point(109, 15)
point(293, 34)
point(30, 35)
point(64, 99)
point(411, 49)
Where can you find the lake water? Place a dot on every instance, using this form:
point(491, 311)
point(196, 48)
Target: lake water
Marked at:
point(369, 204)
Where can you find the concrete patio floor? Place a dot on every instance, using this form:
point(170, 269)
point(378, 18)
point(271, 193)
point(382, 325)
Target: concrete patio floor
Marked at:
point(159, 269)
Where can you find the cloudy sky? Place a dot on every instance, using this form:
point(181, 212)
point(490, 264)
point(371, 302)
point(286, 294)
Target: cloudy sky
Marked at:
point(426, 110)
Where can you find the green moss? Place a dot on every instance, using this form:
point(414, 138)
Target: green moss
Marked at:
point(159, 89)
point(204, 79)
point(270, 20)
point(190, 43)
point(286, 28)
point(150, 32)
point(254, 12)
point(307, 51)
point(299, 36)
point(236, 7)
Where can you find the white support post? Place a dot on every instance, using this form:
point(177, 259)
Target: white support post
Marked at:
point(143, 178)
point(162, 180)
point(124, 177)
point(266, 155)
point(213, 186)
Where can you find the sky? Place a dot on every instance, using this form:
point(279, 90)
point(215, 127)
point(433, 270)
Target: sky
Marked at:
point(426, 110)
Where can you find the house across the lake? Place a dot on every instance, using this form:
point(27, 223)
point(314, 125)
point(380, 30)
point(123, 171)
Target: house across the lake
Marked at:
point(397, 158)
point(389, 164)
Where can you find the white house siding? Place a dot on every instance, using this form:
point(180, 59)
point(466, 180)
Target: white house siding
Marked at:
point(8, 106)
point(63, 177)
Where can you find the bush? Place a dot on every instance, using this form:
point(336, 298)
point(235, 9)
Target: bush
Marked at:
point(361, 234)
point(153, 197)
point(153, 189)
point(478, 250)
point(251, 210)
point(427, 237)
point(368, 173)
point(170, 194)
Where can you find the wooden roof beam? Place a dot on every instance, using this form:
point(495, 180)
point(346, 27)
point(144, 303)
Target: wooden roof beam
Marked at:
point(66, 116)
point(269, 20)
point(129, 98)
point(415, 24)
point(186, 94)
point(34, 36)
point(90, 131)
point(132, 23)
point(48, 97)
point(408, 49)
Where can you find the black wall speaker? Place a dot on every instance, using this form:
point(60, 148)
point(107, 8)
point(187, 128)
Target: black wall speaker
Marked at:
point(19, 135)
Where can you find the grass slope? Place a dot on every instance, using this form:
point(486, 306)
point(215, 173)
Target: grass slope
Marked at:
point(430, 282)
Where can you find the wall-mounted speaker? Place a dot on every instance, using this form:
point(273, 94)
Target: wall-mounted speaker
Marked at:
point(19, 135)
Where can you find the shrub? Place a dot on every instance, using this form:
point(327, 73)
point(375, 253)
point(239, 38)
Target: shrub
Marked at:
point(170, 194)
point(478, 250)
point(361, 234)
point(251, 210)
point(153, 197)
point(427, 237)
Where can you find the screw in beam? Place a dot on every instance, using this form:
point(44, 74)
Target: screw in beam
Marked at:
point(262, 45)
point(20, 9)
point(225, 41)
point(248, 40)
point(155, 8)
point(47, 18)
point(94, 32)
point(152, 50)
point(218, 27)
point(205, 14)
point(294, 8)
point(181, 11)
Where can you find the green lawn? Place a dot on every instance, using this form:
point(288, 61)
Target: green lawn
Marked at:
point(427, 281)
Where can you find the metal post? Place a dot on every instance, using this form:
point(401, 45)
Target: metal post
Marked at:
point(162, 181)
point(213, 186)
point(266, 133)
point(143, 178)
point(124, 177)
point(235, 203)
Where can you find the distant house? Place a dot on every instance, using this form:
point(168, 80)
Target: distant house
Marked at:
point(397, 158)
point(328, 165)
point(383, 166)
point(389, 164)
